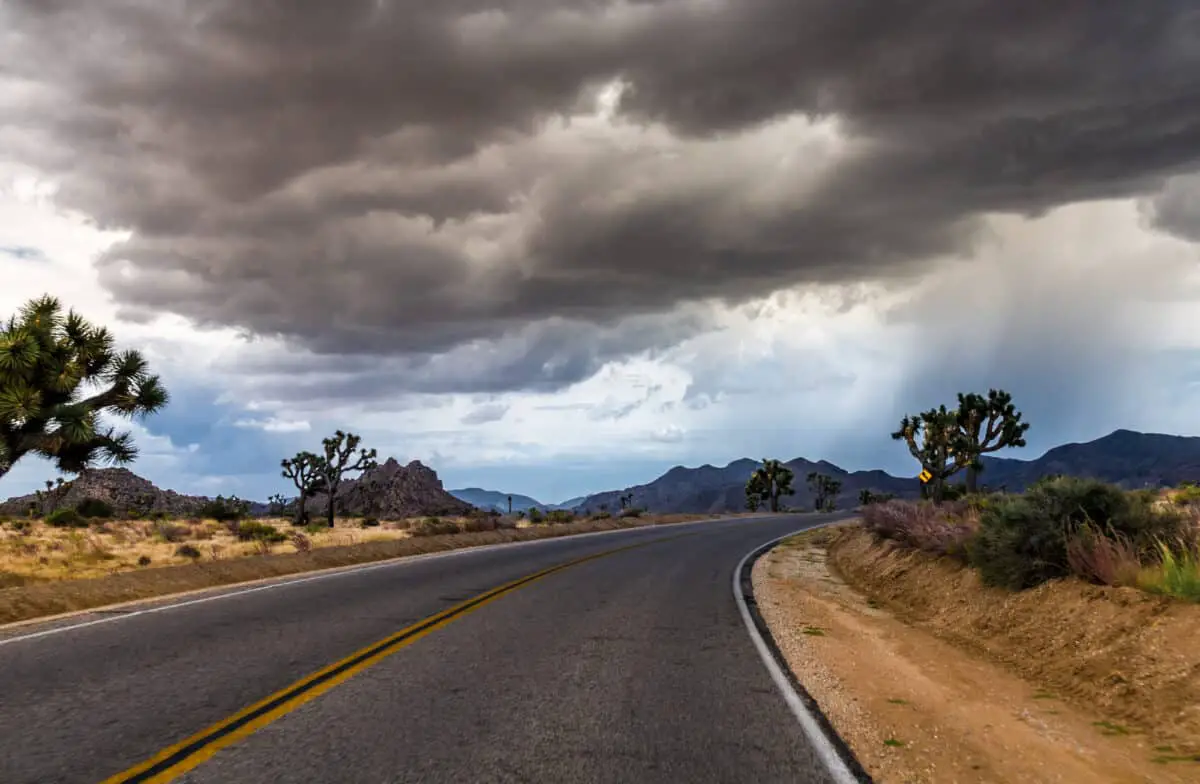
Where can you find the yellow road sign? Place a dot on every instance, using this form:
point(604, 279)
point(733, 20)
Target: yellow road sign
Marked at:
point(925, 476)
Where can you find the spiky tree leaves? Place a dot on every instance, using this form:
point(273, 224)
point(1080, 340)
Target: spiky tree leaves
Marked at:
point(755, 491)
point(934, 441)
point(306, 474)
point(58, 375)
point(987, 424)
point(825, 489)
point(339, 459)
point(773, 480)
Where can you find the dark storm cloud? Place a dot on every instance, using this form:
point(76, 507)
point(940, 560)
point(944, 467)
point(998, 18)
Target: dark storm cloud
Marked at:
point(370, 176)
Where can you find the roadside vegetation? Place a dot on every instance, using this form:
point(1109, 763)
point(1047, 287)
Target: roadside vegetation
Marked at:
point(1059, 527)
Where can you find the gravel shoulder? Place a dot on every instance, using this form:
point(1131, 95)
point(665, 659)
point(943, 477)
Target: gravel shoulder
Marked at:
point(915, 707)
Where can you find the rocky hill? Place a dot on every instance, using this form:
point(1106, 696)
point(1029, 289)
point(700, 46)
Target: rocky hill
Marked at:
point(1124, 457)
point(494, 499)
point(390, 491)
point(127, 493)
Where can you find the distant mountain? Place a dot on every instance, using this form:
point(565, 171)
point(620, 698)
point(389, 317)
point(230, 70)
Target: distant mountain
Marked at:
point(570, 503)
point(709, 489)
point(494, 499)
point(1124, 457)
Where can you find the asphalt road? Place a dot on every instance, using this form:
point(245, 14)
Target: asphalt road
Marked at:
point(631, 667)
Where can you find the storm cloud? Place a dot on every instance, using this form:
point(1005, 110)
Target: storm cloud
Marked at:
point(490, 195)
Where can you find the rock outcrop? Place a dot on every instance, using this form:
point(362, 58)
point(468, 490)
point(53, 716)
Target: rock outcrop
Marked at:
point(392, 492)
point(127, 493)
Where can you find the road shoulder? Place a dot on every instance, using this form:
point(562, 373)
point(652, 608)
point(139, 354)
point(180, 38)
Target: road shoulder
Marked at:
point(917, 708)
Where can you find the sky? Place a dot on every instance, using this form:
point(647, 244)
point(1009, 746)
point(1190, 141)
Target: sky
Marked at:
point(559, 247)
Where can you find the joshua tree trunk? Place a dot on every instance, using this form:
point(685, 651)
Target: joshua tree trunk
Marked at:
point(972, 479)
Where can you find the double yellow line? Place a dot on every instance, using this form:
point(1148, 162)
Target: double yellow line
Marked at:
point(185, 755)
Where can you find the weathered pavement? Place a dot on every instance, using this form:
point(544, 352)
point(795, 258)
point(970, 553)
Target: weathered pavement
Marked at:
point(635, 666)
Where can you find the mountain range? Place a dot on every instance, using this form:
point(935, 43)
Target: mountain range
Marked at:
point(1123, 457)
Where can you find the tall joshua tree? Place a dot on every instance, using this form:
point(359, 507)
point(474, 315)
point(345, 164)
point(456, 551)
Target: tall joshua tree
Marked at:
point(987, 424)
point(754, 492)
point(773, 479)
point(934, 441)
point(339, 458)
point(305, 472)
point(825, 489)
point(58, 375)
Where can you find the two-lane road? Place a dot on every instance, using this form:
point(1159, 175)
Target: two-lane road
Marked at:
point(634, 665)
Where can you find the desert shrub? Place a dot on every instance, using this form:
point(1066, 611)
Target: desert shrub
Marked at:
point(535, 515)
point(224, 509)
point(18, 525)
point(159, 515)
point(1102, 558)
point(301, 542)
point(143, 560)
point(66, 518)
point(602, 515)
point(942, 529)
point(94, 508)
point(369, 522)
point(561, 516)
point(1023, 540)
point(631, 513)
point(315, 528)
point(170, 532)
point(1177, 574)
point(505, 523)
point(188, 551)
point(435, 526)
point(477, 524)
point(1187, 494)
point(254, 531)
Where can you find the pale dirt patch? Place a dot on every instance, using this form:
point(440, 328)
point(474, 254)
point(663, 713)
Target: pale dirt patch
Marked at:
point(958, 716)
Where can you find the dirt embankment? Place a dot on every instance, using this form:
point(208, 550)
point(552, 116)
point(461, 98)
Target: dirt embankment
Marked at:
point(931, 677)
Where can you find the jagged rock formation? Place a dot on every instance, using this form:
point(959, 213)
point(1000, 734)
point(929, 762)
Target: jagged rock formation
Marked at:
point(128, 494)
point(393, 492)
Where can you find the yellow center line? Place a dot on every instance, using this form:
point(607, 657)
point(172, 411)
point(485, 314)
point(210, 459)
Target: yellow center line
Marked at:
point(190, 752)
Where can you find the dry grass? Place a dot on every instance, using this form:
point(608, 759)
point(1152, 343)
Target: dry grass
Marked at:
point(38, 552)
point(46, 571)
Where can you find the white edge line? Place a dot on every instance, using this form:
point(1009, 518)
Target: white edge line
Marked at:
point(336, 571)
point(834, 764)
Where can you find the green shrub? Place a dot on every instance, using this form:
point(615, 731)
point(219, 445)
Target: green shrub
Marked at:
point(170, 532)
point(316, 528)
point(224, 509)
point(1177, 574)
point(1023, 541)
point(66, 518)
point(370, 522)
point(631, 513)
point(254, 531)
point(560, 516)
point(94, 508)
point(536, 516)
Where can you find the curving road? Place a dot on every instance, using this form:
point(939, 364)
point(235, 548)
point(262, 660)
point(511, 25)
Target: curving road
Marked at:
point(630, 666)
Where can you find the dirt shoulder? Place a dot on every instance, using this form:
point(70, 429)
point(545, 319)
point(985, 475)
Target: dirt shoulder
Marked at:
point(49, 597)
point(929, 677)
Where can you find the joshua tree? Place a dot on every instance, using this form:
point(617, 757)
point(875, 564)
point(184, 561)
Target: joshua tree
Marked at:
point(934, 440)
point(866, 497)
point(339, 458)
point(772, 480)
point(987, 424)
point(754, 492)
point(305, 472)
point(626, 500)
point(276, 504)
point(58, 374)
point(510, 504)
point(51, 497)
point(825, 490)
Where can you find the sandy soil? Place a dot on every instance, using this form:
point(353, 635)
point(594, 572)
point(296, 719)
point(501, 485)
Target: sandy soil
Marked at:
point(918, 707)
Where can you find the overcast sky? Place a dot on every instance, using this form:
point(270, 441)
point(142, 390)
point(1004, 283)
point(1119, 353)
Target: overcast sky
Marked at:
point(557, 247)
